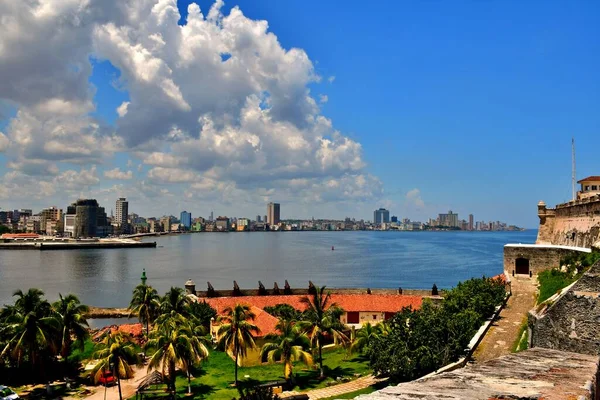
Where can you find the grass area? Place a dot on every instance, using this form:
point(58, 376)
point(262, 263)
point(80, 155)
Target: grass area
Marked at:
point(521, 341)
point(552, 280)
point(78, 355)
point(213, 381)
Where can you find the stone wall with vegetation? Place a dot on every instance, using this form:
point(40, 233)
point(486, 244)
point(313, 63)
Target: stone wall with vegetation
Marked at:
point(570, 322)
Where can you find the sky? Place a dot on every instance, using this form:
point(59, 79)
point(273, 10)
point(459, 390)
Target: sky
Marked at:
point(419, 107)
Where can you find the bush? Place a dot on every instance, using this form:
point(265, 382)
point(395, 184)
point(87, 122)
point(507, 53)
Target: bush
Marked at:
point(553, 280)
point(284, 311)
point(422, 341)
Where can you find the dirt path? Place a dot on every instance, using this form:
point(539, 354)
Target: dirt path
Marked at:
point(336, 390)
point(503, 333)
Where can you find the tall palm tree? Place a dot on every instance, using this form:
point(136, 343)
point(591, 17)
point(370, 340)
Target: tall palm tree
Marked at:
point(71, 315)
point(175, 345)
point(236, 332)
point(145, 304)
point(117, 354)
point(30, 327)
point(175, 301)
point(288, 346)
point(322, 317)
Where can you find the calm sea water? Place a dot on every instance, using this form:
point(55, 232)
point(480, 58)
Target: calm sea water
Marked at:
point(107, 277)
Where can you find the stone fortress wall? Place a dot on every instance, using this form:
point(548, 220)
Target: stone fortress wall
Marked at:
point(576, 223)
point(536, 258)
point(570, 321)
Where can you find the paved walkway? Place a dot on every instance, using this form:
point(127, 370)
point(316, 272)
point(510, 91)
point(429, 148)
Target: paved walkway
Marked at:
point(336, 390)
point(499, 339)
point(128, 387)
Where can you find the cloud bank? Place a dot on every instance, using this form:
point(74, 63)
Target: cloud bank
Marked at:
point(217, 111)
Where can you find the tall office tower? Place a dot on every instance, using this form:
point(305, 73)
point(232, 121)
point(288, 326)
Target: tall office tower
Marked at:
point(122, 212)
point(186, 219)
point(381, 216)
point(273, 213)
point(470, 222)
point(211, 217)
point(258, 218)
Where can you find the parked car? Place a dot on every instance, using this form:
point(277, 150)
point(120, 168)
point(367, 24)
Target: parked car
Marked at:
point(7, 393)
point(107, 379)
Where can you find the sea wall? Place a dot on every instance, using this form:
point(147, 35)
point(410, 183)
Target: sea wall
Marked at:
point(570, 321)
point(537, 258)
point(576, 223)
point(304, 291)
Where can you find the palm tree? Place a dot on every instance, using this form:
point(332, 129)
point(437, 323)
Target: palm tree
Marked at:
point(287, 346)
point(322, 317)
point(175, 345)
point(365, 336)
point(30, 327)
point(175, 301)
point(117, 354)
point(235, 333)
point(71, 315)
point(145, 303)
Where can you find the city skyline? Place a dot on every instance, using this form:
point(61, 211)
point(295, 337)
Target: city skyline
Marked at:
point(248, 116)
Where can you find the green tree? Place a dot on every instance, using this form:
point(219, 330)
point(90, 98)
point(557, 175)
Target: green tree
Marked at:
point(117, 353)
point(175, 301)
point(365, 336)
point(322, 317)
point(31, 328)
point(145, 304)
point(288, 346)
point(175, 345)
point(71, 315)
point(202, 312)
point(284, 311)
point(236, 332)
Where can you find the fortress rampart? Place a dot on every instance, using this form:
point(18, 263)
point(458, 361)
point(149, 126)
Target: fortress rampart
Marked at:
point(576, 223)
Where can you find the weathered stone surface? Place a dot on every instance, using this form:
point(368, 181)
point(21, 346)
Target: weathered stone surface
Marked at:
point(576, 223)
point(540, 257)
point(571, 321)
point(531, 374)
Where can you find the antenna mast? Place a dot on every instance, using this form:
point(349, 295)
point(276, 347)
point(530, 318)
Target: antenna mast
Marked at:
point(573, 174)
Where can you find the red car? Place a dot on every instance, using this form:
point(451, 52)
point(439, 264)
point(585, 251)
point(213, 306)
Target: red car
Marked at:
point(107, 379)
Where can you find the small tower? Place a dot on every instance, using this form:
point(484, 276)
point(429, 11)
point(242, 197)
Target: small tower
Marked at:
point(190, 287)
point(144, 278)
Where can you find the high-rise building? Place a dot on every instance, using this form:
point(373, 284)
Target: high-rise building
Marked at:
point(273, 213)
point(449, 220)
point(264, 219)
point(470, 222)
point(258, 218)
point(90, 219)
point(211, 217)
point(394, 218)
point(122, 212)
point(381, 216)
point(186, 219)
point(51, 221)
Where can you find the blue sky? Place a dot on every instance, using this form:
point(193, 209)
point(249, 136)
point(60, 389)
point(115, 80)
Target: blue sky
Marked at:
point(468, 106)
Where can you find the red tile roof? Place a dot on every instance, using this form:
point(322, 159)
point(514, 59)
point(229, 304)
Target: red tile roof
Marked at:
point(349, 302)
point(264, 321)
point(594, 178)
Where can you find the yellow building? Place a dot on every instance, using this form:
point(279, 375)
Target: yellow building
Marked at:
point(590, 186)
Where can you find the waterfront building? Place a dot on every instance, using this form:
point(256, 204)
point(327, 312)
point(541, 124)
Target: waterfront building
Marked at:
point(264, 219)
point(51, 221)
point(273, 213)
point(197, 226)
point(470, 222)
point(186, 220)
point(222, 224)
point(33, 224)
point(211, 219)
point(242, 224)
point(90, 219)
point(449, 220)
point(258, 219)
point(165, 223)
point(121, 220)
point(394, 219)
point(381, 216)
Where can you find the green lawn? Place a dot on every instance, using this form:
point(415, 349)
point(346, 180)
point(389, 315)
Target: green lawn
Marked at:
point(551, 281)
point(213, 381)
